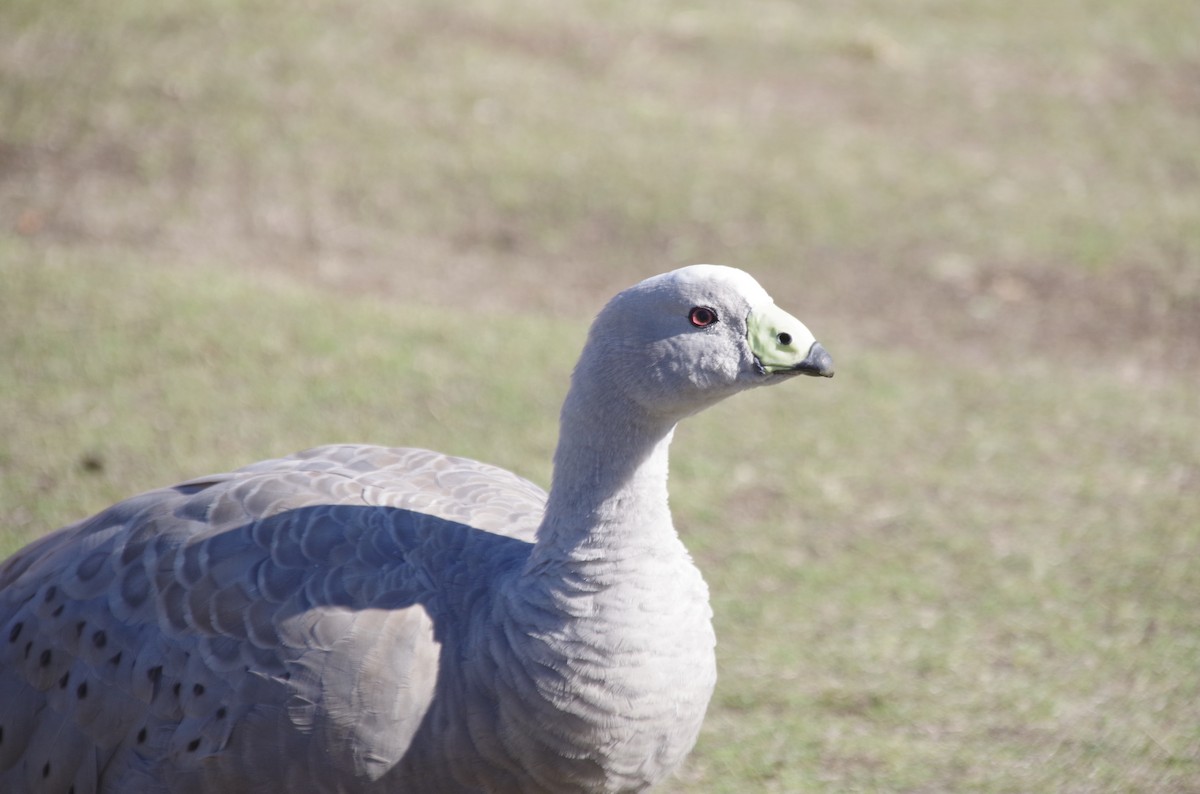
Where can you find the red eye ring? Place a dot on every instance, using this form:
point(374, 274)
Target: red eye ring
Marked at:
point(702, 317)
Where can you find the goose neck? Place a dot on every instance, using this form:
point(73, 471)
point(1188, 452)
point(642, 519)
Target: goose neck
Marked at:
point(610, 477)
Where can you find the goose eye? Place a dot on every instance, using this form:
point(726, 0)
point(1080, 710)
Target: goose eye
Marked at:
point(702, 317)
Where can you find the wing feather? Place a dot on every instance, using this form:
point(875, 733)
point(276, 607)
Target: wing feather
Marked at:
point(235, 622)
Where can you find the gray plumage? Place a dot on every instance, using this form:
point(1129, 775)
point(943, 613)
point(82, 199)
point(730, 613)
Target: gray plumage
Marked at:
point(362, 619)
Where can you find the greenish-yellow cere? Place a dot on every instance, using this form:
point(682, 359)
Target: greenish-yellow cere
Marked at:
point(778, 339)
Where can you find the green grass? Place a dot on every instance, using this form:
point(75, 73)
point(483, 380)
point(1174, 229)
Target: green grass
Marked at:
point(232, 230)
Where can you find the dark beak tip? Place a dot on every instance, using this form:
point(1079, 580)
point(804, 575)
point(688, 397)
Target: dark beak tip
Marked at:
point(818, 362)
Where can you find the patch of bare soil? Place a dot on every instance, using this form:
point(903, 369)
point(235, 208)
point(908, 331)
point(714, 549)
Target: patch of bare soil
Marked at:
point(1135, 321)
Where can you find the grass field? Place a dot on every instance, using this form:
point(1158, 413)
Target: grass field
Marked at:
point(231, 230)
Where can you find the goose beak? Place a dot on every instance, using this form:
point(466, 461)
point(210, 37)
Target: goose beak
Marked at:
point(818, 362)
point(781, 344)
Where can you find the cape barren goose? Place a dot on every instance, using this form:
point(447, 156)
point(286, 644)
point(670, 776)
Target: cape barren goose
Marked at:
point(365, 619)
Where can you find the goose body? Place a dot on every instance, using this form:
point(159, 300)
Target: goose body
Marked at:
point(364, 619)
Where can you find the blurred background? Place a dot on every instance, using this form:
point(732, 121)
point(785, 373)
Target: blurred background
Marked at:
point(234, 229)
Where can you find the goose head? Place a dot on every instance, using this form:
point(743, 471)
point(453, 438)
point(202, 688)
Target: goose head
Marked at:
point(681, 341)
